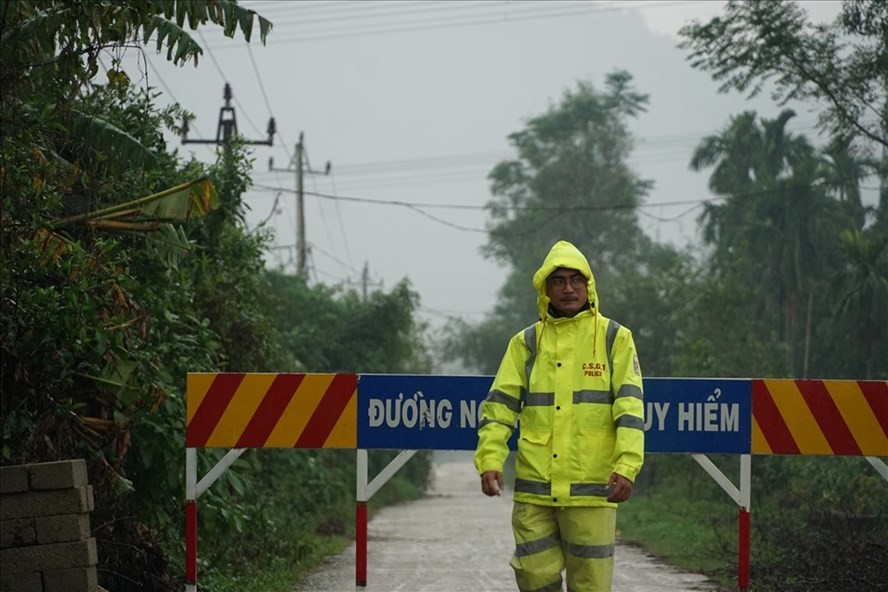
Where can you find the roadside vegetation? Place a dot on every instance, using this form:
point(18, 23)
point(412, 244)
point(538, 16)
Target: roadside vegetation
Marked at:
point(801, 508)
point(302, 513)
point(125, 266)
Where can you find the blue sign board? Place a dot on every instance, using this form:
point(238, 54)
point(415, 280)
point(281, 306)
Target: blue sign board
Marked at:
point(424, 412)
point(698, 415)
point(419, 412)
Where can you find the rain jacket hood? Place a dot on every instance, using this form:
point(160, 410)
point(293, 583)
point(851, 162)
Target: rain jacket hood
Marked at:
point(563, 254)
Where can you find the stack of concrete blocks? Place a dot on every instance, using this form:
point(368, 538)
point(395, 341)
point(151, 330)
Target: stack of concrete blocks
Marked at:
point(45, 542)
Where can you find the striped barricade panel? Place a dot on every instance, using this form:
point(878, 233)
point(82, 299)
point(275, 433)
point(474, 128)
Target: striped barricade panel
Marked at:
point(256, 410)
point(831, 417)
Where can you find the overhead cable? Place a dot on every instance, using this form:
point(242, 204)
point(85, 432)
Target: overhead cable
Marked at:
point(544, 11)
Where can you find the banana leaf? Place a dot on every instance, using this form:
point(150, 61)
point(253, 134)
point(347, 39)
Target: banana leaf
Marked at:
point(194, 198)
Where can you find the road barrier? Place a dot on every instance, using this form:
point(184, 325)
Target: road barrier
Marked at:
point(696, 416)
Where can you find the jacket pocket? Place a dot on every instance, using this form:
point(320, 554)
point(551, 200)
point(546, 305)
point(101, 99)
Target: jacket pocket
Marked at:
point(593, 461)
point(534, 455)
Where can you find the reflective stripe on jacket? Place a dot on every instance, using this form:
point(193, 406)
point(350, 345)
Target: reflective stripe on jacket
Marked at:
point(574, 386)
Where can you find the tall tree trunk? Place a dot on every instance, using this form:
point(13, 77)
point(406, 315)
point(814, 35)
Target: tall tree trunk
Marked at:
point(808, 334)
point(791, 307)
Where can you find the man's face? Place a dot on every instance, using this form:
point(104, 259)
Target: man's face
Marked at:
point(568, 290)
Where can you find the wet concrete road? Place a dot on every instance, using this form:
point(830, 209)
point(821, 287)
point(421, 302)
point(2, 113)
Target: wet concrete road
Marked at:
point(457, 540)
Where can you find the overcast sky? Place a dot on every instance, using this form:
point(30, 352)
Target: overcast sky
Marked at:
point(412, 102)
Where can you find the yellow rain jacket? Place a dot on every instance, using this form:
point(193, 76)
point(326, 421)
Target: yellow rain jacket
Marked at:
point(574, 386)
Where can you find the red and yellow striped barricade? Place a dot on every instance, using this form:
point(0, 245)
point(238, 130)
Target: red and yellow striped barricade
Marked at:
point(255, 410)
point(826, 417)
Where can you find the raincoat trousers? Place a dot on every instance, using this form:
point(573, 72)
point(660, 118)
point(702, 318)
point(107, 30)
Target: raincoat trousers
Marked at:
point(573, 386)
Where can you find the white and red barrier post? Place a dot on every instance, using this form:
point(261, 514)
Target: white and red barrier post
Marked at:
point(744, 525)
point(190, 520)
point(361, 521)
point(364, 492)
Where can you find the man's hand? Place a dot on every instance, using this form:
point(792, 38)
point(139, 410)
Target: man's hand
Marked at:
point(492, 483)
point(621, 488)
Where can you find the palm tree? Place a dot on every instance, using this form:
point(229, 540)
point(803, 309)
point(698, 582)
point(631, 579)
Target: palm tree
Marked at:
point(773, 210)
point(843, 167)
point(862, 289)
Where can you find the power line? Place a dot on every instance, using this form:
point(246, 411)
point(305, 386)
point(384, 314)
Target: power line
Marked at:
point(267, 102)
point(578, 208)
point(414, 179)
point(320, 208)
point(274, 210)
point(375, 10)
point(672, 218)
point(259, 80)
point(339, 217)
point(349, 266)
point(419, 207)
point(411, 206)
point(423, 162)
point(212, 57)
point(649, 150)
point(275, 6)
point(265, 97)
point(450, 315)
point(544, 11)
point(340, 279)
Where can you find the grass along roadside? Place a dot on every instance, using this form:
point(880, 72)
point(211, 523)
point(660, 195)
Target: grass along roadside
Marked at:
point(279, 574)
point(309, 548)
point(697, 535)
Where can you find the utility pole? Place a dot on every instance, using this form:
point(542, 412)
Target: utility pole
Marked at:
point(227, 126)
point(226, 131)
point(365, 281)
point(365, 277)
point(301, 171)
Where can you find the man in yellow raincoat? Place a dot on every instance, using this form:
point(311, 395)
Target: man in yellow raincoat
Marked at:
point(573, 384)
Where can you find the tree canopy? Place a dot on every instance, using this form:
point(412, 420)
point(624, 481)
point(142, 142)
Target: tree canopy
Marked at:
point(843, 66)
point(570, 180)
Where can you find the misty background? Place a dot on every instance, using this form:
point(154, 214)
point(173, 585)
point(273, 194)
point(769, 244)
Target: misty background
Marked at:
point(412, 104)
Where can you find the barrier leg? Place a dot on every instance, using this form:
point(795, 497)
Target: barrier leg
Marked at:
point(361, 520)
point(745, 505)
point(190, 520)
point(743, 552)
point(190, 546)
point(361, 545)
